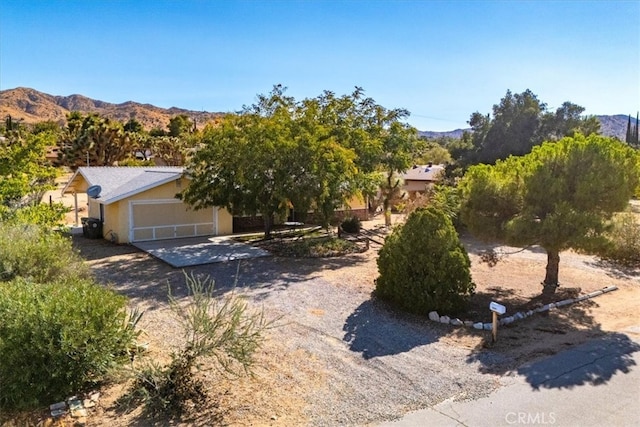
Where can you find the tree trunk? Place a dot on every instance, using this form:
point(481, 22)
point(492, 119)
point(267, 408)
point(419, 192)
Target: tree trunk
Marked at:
point(550, 283)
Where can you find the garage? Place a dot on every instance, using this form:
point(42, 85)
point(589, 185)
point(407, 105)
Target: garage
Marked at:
point(169, 219)
point(140, 204)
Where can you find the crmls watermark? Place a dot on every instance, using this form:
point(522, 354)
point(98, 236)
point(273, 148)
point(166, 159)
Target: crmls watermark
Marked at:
point(530, 418)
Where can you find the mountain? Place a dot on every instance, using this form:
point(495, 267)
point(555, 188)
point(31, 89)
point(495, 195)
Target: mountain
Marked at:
point(30, 106)
point(448, 134)
point(615, 125)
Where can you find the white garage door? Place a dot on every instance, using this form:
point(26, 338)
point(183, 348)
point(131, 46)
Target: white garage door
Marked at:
point(169, 219)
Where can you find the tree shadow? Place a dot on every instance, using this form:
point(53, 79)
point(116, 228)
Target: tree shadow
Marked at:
point(375, 331)
point(616, 271)
point(146, 280)
point(592, 363)
point(476, 246)
point(560, 348)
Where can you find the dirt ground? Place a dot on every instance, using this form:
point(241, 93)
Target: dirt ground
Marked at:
point(276, 392)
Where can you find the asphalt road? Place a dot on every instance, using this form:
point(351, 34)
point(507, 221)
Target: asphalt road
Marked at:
point(594, 384)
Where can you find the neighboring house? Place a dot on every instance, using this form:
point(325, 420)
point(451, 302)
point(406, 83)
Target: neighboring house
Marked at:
point(138, 203)
point(421, 177)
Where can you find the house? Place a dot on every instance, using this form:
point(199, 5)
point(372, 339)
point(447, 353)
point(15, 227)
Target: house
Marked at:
point(421, 177)
point(133, 204)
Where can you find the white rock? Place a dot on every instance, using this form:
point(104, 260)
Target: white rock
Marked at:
point(456, 322)
point(529, 313)
point(434, 316)
point(518, 316)
point(478, 325)
point(508, 320)
point(445, 319)
point(468, 323)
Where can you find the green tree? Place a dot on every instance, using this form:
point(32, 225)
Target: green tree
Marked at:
point(243, 162)
point(95, 140)
point(180, 125)
point(521, 121)
point(423, 266)
point(559, 196)
point(24, 171)
point(399, 144)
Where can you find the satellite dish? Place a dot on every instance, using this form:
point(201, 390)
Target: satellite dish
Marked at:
point(94, 191)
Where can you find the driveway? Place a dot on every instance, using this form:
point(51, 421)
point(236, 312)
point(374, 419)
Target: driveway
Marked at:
point(199, 250)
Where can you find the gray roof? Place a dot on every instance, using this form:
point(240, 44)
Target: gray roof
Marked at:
point(424, 173)
point(120, 182)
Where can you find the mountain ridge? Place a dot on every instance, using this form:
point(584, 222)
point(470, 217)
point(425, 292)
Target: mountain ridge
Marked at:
point(32, 106)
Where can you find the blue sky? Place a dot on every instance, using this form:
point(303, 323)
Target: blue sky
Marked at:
point(441, 60)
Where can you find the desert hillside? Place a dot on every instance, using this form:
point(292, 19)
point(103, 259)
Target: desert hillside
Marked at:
point(31, 106)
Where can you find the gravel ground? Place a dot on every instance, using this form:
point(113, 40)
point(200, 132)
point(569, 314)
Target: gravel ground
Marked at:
point(375, 365)
point(341, 358)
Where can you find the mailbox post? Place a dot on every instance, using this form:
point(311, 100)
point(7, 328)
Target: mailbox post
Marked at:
point(496, 309)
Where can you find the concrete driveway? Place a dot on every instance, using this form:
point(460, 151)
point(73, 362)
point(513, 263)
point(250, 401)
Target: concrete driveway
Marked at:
point(199, 250)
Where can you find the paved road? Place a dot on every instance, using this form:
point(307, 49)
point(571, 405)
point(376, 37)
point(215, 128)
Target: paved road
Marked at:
point(595, 384)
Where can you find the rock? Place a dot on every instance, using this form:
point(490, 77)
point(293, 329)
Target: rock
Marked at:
point(487, 326)
point(58, 406)
point(88, 403)
point(78, 413)
point(95, 396)
point(456, 322)
point(518, 316)
point(530, 313)
point(58, 413)
point(468, 323)
point(478, 325)
point(274, 417)
point(445, 319)
point(508, 320)
point(434, 316)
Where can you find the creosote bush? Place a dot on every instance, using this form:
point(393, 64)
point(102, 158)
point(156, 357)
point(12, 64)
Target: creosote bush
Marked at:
point(219, 329)
point(423, 266)
point(59, 331)
point(37, 254)
point(58, 338)
point(624, 240)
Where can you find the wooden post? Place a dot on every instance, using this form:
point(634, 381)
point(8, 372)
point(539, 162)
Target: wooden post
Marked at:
point(494, 328)
point(75, 202)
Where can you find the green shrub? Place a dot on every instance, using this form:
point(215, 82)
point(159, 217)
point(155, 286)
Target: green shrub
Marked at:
point(42, 214)
point(423, 266)
point(351, 225)
point(624, 240)
point(58, 338)
point(33, 253)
